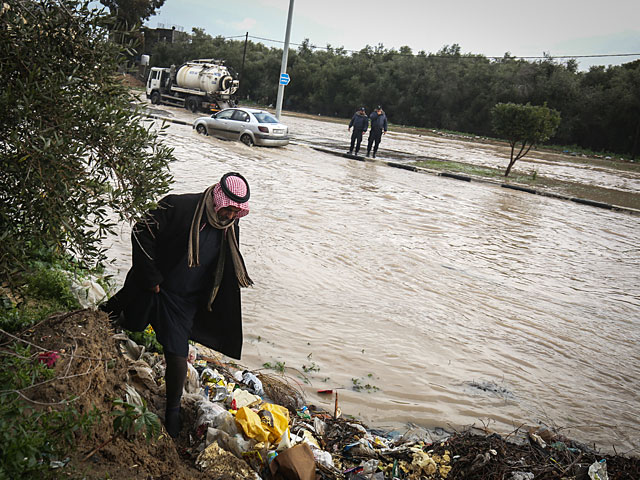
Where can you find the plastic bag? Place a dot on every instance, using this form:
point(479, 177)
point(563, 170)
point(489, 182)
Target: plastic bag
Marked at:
point(233, 443)
point(266, 426)
point(598, 470)
point(251, 425)
point(209, 375)
point(217, 393)
point(88, 292)
point(209, 413)
point(192, 382)
point(193, 354)
point(323, 457)
point(319, 426)
point(253, 382)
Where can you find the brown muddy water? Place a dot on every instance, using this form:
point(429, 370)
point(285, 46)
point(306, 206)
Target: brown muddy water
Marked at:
point(455, 303)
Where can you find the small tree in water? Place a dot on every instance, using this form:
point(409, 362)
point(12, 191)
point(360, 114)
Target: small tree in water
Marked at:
point(526, 125)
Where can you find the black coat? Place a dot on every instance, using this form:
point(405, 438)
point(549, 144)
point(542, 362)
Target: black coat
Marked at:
point(158, 244)
point(378, 122)
point(359, 122)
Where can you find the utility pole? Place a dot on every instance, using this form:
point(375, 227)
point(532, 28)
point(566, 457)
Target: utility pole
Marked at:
point(283, 66)
point(244, 54)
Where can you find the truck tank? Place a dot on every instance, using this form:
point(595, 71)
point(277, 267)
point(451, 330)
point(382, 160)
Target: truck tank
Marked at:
point(207, 76)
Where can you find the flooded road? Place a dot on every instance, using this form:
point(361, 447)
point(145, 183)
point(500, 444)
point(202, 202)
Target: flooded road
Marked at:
point(447, 303)
point(599, 179)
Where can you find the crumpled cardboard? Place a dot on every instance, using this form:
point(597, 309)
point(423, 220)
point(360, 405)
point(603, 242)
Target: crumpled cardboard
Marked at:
point(297, 463)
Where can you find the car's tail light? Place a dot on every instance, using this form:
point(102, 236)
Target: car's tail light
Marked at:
point(263, 129)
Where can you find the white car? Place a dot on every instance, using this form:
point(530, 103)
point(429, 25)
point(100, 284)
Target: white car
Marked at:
point(250, 126)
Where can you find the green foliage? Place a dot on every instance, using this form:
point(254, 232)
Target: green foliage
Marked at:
point(533, 124)
point(358, 386)
point(312, 367)
point(146, 338)
point(14, 319)
point(526, 125)
point(132, 12)
point(277, 366)
point(134, 419)
point(30, 437)
point(49, 283)
point(44, 289)
point(74, 147)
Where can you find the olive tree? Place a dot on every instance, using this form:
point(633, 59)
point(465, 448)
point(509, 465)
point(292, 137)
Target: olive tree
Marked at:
point(523, 125)
point(75, 154)
point(132, 12)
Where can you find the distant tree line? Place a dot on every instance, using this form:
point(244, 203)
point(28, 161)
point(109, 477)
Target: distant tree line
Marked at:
point(447, 90)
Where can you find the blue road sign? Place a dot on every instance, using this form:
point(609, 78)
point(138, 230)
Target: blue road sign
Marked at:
point(284, 79)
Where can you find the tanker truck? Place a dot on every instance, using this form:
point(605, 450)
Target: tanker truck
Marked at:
point(199, 85)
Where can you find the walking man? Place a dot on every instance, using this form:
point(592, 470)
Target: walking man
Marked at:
point(185, 280)
point(378, 128)
point(360, 123)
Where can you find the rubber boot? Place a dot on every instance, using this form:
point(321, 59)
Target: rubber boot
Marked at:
point(172, 421)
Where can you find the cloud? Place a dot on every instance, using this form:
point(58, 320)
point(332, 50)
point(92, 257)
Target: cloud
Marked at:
point(245, 25)
point(277, 4)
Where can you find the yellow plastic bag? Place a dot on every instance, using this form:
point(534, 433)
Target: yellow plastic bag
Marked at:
point(267, 425)
point(280, 423)
point(251, 425)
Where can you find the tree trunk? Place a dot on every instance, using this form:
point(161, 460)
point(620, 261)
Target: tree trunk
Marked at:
point(506, 174)
point(511, 160)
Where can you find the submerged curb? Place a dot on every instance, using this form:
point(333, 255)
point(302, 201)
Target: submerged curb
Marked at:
point(466, 178)
point(167, 119)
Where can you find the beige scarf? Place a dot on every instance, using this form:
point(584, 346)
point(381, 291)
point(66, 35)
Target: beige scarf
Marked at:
point(206, 204)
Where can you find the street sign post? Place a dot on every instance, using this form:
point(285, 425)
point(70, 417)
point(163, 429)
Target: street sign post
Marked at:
point(284, 79)
point(283, 65)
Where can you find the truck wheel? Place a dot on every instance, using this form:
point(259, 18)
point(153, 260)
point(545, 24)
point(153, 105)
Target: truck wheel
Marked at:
point(247, 140)
point(155, 98)
point(226, 83)
point(201, 129)
point(192, 104)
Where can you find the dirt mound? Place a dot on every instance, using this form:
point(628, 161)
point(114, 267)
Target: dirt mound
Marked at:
point(132, 81)
point(92, 369)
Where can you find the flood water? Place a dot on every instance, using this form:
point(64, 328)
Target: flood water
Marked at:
point(426, 288)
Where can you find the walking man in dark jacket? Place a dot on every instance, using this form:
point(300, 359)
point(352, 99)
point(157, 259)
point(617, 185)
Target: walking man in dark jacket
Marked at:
point(360, 123)
point(185, 280)
point(378, 128)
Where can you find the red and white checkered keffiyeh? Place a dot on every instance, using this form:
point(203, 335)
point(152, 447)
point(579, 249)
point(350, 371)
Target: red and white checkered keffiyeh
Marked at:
point(212, 200)
point(237, 187)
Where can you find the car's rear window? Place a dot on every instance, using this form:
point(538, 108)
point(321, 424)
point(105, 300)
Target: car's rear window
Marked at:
point(265, 118)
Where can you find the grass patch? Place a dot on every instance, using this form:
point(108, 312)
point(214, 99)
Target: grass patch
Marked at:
point(478, 171)
point(459, 167)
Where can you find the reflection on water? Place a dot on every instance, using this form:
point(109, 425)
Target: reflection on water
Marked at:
point(426, 287)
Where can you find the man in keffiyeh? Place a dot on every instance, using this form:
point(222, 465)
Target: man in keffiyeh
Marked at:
point(186, 277)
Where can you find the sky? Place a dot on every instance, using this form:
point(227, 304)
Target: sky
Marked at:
point(488, 27)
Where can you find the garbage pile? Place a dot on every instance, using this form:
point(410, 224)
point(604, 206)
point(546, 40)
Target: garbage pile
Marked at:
point(243, 425)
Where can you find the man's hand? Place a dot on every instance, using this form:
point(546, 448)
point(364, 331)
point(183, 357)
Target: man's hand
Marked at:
point(155, 289)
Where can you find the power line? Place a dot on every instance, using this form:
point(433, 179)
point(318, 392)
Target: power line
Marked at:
point(604, 55)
